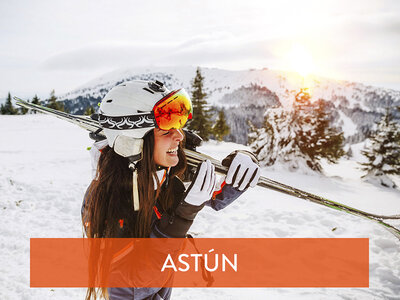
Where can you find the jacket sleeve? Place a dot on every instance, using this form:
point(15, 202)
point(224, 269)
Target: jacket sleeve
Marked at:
point(176, 223)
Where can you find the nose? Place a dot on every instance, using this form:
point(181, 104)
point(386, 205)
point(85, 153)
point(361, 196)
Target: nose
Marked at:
point(177, 135)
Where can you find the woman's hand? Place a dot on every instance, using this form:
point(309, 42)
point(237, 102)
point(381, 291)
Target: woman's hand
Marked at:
point(203, 185)
point(244, 170)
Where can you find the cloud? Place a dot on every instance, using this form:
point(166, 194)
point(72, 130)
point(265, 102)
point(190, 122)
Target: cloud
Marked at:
point(105, 55)
point(203, 49)
point(345, 38)
point(350, 56)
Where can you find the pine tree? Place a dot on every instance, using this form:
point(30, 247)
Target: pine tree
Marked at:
point(274, 142)
point(253, 133)
point(349, 152)
point(89, 110)
point(8, 108)
point(200, 123)
point(304, 123)
point(52, 102)
point(383, 152)
point(220, 128)
point(35, 100)
point(298, 138)
point(2, 109)
point(326, 141)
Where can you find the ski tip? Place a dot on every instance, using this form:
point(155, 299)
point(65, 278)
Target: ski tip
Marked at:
point(18, 99)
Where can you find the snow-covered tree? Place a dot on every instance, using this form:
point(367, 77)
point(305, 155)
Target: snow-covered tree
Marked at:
point(200, 123)
point(277, 141)
point(298, 138)
point(383, 152)
point(220, 128)
point(325, 141)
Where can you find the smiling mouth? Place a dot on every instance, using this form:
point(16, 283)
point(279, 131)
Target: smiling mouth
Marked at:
point(172, 151)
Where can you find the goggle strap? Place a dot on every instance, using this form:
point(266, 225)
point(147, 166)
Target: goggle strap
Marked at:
point(142, 120)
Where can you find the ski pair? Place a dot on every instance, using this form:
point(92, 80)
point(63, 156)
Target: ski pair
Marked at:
point(194, 158)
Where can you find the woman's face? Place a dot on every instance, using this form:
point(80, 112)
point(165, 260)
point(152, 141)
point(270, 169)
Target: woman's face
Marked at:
point(166, 147)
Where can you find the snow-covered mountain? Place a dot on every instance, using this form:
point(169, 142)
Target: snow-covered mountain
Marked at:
point(245, 95)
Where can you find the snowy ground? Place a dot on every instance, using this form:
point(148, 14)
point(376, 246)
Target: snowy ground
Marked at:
point(45, 169)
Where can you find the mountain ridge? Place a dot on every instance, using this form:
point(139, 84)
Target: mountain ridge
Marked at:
point(246, 94)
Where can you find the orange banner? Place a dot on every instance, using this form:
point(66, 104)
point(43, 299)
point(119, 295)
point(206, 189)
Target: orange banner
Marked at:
point(201, 262)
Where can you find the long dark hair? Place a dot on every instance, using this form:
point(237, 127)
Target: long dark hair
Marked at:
point(111, 199)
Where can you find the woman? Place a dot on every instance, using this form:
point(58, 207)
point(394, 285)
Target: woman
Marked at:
point(137, 190)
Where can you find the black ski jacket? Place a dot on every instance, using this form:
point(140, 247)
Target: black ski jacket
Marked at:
point(174, 225)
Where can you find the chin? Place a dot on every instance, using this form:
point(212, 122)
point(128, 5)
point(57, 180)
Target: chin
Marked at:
point(168, 162)
point(173, 162)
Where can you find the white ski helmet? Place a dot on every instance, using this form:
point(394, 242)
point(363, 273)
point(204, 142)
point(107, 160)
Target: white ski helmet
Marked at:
point(133, 108)
point(129, 104)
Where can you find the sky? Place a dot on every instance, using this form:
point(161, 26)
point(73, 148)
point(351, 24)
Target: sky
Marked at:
point(61, 45)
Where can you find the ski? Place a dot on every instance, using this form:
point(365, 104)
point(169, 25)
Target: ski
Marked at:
point(82, 121)
point(194, 158)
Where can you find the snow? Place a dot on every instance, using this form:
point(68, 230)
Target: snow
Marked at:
point(377, 160)
point(348, 127)
point(45, 169)
point(377, 178)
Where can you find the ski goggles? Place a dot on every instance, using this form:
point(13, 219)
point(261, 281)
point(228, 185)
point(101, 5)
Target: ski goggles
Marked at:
point(173, 111)
point(170, 112)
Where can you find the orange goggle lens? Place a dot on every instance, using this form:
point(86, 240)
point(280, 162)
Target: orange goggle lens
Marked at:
point(173, 111)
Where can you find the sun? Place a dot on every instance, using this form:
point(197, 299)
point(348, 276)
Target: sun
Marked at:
point(300, 60)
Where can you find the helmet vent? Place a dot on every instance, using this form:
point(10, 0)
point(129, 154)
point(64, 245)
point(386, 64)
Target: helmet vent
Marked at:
point(156, 86)
point(146, 89)
point(109, 101)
